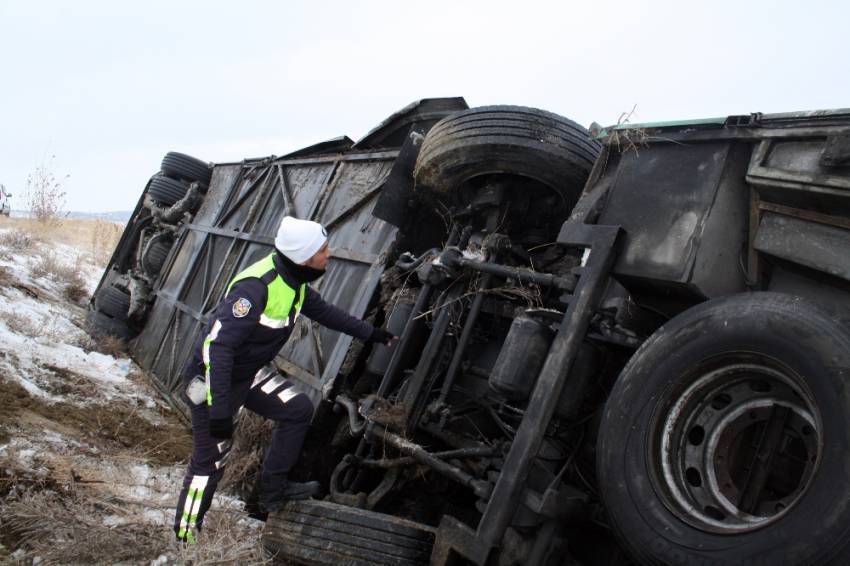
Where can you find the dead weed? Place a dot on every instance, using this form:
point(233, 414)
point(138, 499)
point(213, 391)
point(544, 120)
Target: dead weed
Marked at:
point(19, 323)
point(48, 264)
point(18, 241)
point(103, 238)
point(246, 456)
point(68, 382)
point(98, 237)
point(82, 528)
point(68, 277)
point(17, 478)
point(69, 529)
point(117, 426)
point(391, 415)
point(75, 289)
point(629, 139)
point(6, 277)
point(57, 514)
point(103, 343)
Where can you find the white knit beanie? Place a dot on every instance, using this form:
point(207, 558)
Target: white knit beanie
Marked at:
point(299, 239)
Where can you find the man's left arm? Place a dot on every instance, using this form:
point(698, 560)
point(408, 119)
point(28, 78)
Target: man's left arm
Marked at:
point(326, 314)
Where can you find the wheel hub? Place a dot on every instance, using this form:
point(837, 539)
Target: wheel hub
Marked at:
point(738, 448)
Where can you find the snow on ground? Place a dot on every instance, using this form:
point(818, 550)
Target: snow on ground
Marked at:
point(83, 430)
point(57, 343)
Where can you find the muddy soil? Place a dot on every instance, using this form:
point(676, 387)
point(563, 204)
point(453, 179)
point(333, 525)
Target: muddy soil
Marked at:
point(117, 425)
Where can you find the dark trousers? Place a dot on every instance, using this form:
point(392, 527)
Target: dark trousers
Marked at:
point(272, 397)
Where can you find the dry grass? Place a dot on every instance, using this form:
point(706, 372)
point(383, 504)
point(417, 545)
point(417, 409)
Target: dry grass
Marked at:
point(6, 277)
point(17, 241)
point(103, 238)
point(97, 237)
point(18, 479)
point(67, 527)
point(246, 457)
point(20, 324)
point(46, 326)
point(100, 340)
point(631, 139)
point(75, 289)
point(69, 277)
point(224, 541)
point(103, 343)
point(79, 502)
point(63, 513)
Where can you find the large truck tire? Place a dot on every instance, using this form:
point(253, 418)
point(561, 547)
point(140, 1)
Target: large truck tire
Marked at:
point(320, 532)
point(186, 167)
point(155, 256)
point(165, 190)
point(99, 325)
point(726, 439)
point(512, 140)
point(113, 302)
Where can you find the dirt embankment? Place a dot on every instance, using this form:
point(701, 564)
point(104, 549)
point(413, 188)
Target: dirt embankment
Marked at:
point(112, 428)
point(91, 459)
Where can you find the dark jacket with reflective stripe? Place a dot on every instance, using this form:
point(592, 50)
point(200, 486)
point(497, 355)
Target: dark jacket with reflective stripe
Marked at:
point(241, 345)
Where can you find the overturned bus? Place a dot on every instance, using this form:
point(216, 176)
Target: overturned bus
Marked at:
point(616, 347)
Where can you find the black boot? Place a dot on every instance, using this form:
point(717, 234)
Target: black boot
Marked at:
point(276, 492)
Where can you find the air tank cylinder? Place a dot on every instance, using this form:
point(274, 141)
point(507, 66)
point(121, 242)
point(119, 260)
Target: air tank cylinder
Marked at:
point(521, 358)
point(379, 359)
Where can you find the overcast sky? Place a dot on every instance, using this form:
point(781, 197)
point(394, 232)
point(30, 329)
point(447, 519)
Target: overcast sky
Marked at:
point(110, 87)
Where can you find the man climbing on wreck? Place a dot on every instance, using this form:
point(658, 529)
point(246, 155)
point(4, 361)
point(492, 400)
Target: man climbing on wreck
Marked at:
point(245, 333)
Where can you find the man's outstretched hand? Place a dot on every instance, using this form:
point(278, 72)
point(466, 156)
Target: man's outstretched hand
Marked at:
point(381, 336)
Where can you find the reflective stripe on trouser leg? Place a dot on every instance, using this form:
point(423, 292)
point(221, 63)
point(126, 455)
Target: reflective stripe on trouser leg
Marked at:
point(209, 456)
point(197, 493)
point(272, 384)
point(288, 394)
point(289, 391)
point(223, 449)
point(191, 508)
point(268, 379)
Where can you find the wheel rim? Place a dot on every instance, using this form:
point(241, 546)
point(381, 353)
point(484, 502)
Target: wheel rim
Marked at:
point(739, 446)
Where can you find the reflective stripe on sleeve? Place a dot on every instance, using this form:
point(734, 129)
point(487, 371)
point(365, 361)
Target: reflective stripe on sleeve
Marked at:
point(273, 323)
point(206, 355)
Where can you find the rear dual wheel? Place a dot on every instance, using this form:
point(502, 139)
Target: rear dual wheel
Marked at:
point(99, 324)
point(166, 191)
point(185, 167)
point(178, 171)
point(113, 302)
point(155, 256)
point(507, 141)
point(726, 439)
